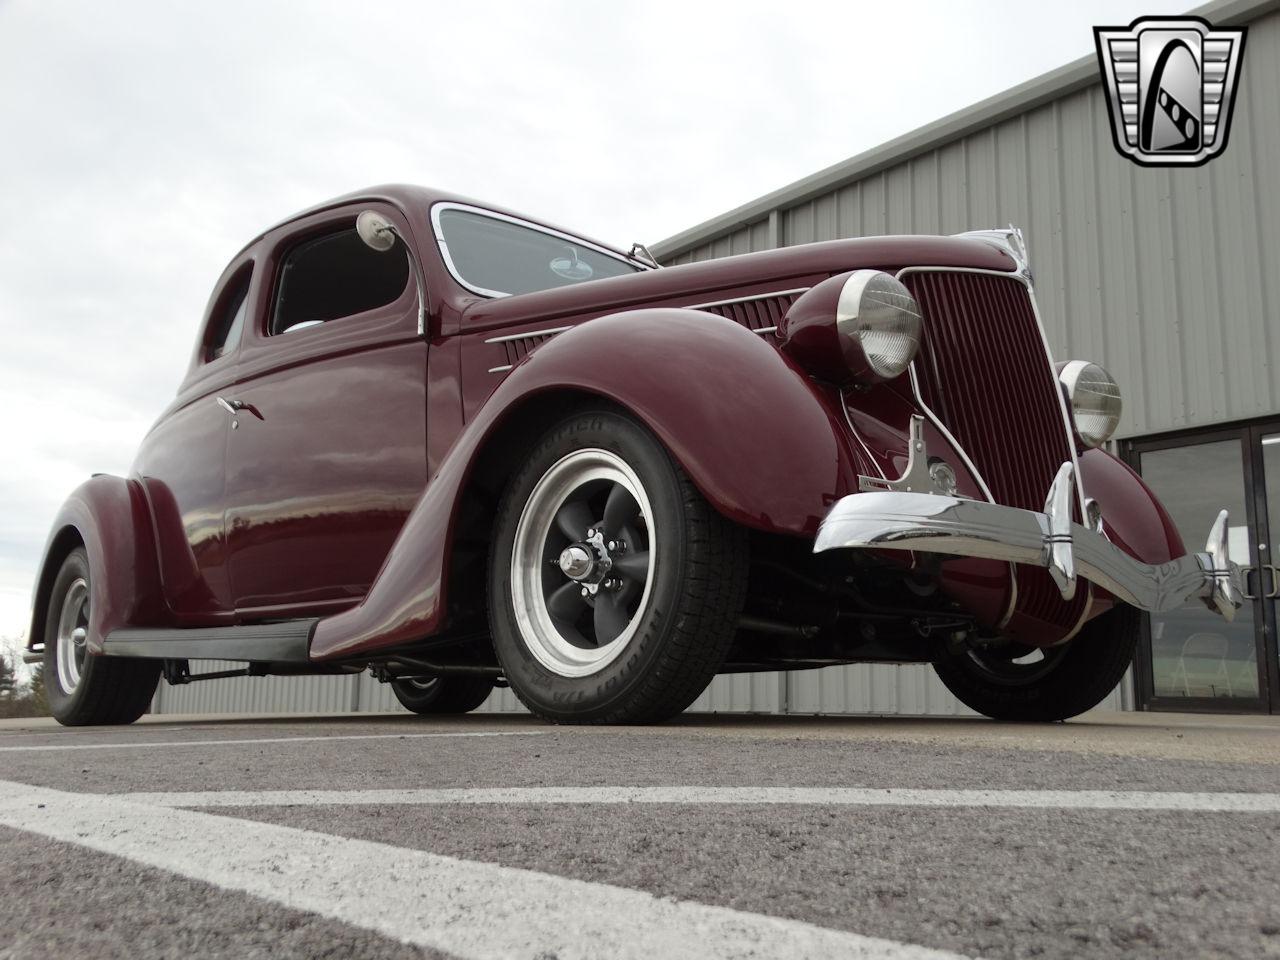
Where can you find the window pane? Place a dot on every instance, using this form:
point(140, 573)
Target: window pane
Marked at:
point(227, 326)
point(502, 257)
point(1194, 652)
point(335, 276)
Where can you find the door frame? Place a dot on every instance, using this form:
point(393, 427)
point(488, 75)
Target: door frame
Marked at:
point(1249, 434)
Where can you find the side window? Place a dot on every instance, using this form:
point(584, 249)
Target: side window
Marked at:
point(334, 276)
point(228, 318)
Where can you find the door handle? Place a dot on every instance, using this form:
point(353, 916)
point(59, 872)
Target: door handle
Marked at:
point(1246, 575)
point(1267, 593)
point(231, 406)
point(1272, 569)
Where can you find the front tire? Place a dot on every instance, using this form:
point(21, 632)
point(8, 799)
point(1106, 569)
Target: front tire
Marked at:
point(436, 696)
point(84, 688)
point(614, 587)
point(1019, 683)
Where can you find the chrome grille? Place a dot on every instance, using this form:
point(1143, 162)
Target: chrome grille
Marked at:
point(982, 368)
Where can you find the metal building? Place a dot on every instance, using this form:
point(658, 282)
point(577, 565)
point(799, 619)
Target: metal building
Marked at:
point(1170, 278)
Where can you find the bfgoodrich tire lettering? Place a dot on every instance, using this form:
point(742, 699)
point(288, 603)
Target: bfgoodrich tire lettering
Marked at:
point(669, 616)
point(1067, 682)
point(83, 688)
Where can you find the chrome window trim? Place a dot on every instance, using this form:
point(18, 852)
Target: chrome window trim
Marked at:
point(551, 332)
point(502, 369)
point(754, 296)
point(443, 205)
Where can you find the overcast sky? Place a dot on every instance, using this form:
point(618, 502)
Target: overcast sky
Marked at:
point(144, 143)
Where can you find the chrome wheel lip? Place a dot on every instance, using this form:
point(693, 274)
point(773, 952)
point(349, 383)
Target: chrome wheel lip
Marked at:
point(529, 603)
point(73, 622)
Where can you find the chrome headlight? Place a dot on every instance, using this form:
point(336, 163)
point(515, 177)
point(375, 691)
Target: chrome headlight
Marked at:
point(1095, 400)
point(863, 325)
point(881, 314)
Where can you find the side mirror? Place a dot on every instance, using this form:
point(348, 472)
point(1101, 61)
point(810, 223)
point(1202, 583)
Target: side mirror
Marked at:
point(380, 234)
point(376, 231)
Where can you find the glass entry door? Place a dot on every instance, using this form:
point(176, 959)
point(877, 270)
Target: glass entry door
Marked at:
point(1191, 658)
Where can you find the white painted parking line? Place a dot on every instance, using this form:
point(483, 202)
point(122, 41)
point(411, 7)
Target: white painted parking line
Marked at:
point(469, 909)
point(701, 796)
point(156, 744)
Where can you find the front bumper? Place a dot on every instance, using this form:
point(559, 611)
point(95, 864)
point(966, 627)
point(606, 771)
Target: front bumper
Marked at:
point(933, 523)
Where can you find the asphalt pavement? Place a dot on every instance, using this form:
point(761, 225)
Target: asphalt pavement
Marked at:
point(1115, 835)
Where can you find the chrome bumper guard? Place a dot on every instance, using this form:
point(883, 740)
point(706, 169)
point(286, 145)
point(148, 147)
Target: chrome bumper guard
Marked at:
point(934, 523)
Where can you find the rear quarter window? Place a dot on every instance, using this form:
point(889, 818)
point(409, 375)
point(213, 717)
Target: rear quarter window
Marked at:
point(227, 322)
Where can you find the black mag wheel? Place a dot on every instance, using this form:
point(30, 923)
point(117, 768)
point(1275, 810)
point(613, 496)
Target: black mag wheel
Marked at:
point(433, 696)
point(1015, 682)
point(614, 587)
point(581, 566)
point(84, 688)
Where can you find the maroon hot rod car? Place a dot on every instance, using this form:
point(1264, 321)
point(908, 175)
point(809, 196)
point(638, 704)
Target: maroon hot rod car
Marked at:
point(433, 439)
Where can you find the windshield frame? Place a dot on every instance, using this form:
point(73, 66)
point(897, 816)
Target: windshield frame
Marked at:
point(444, 205)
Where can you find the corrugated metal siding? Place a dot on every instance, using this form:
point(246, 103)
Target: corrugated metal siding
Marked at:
point(254, 694)
point(1169, 278)
point(866, 688)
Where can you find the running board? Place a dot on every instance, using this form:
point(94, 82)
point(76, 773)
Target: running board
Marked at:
point(288, 641)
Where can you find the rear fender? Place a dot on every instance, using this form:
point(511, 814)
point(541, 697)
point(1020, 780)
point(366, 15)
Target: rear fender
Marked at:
point(109, 517)
point(763, 443)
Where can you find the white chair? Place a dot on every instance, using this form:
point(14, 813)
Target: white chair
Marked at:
point(1204, 648)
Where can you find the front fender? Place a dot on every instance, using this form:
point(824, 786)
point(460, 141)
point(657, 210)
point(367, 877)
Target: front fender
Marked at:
point(759, 439)
point(109, 516)
point(1132, 516)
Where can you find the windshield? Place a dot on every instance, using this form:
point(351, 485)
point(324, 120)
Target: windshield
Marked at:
point(498, 257)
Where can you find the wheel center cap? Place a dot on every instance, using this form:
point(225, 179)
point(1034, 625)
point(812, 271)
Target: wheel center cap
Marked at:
point(577, 561)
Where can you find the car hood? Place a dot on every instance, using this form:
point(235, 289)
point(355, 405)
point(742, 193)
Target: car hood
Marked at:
point(736, 276)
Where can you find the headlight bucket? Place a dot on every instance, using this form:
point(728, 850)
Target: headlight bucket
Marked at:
point(1095, 400)
point(863, 326)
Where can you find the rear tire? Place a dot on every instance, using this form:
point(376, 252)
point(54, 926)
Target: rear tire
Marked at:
point(1066, 682)
point(442, 695)
point(85, 688)
point(614, 587)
